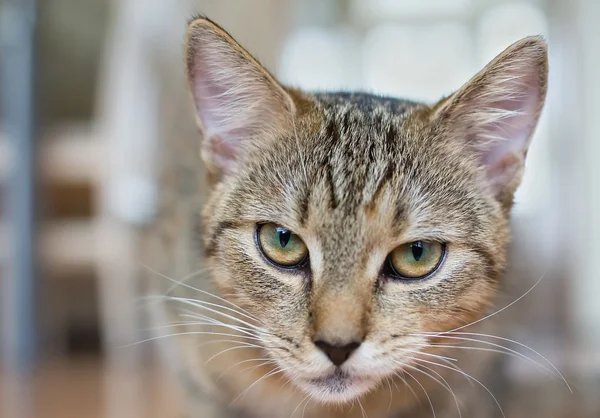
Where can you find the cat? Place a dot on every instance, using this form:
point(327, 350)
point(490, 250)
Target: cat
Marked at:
point(349, 243)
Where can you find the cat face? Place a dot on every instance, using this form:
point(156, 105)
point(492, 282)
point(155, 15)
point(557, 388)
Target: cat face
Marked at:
point(353, 226)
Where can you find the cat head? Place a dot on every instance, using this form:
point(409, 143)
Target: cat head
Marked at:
point(353, 226)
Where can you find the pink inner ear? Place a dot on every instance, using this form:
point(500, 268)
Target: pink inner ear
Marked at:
point(507, 122)
point(236, 99)
point(224, 153)
point(511, 133)
point(503, 170)
point(208, 94)
point(222, 141)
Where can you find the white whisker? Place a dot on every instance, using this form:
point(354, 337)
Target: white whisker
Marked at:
point(502, 349)
point(362, 409)
point(213, 321)
point(305, 405)
point(159, 337)
point(513, 342)
point(445, 383)
point(176, 282)
point(387, 379)
point(228, 350)
point(200, 304)
point(406, 385)
point(424, 391)
point(437, 356)
point(301, 402)
point(194, 323)
point(264, 363)
point(265, 376)
point(204, 292)
point(503, 309)
point(206, 305)
point(470, 377)
point(229, 341)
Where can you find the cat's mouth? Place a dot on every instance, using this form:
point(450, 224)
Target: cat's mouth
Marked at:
point(338, 386)
point(337, 378)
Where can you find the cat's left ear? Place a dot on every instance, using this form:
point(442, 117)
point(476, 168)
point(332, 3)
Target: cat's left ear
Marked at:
point(496, 112)
point(237, 100)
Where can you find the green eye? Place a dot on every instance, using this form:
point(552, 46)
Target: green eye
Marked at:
point(281, 246)
point(416, 260)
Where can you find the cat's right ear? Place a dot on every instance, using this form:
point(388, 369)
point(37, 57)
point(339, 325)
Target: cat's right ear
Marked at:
point(236, 99)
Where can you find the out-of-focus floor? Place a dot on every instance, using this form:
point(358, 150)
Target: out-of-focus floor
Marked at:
point(86, 389)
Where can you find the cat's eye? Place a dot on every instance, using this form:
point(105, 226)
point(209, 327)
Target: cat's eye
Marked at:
point(281, 246)
point(416, 260)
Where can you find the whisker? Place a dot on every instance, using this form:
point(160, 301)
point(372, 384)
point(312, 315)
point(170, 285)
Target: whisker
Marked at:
point(455, 366)
point(503, 309)
point(204, 292)
point(449, 387)
point(301, 402)
point(193, 323)
point(228, 350)
point(213, 321)
point(231, 341)
point(258, 346)
point(176, 282)
point(517, 343)
point(240, 328)
point(446, 386)
point(483, 349)
point(305, 405)
point(445, 383)
point(394, 382)
point(508, 351)
point(291, 393)
point(424, 391)
point(362, 409)
point(387, 379)
point(470, 377)
point(159, 337)
point(265, 376)
point(191, 312)
point(185, 279)
point(406, 385)
point(264, 363)
point(437, 356)
point(201, 304)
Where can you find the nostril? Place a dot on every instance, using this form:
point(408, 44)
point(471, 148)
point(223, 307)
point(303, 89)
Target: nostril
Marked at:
point(338, 354)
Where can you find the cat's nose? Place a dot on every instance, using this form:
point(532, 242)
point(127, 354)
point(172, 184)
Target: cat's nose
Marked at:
point(338, 354)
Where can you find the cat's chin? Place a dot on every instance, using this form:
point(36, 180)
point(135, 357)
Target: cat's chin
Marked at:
point(337, 387)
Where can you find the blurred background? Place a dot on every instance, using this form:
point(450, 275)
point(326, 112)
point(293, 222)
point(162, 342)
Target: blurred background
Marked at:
point(89, 88)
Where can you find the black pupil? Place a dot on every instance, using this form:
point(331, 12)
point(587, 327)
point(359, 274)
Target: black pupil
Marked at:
point(417, 250)
point(284, 236)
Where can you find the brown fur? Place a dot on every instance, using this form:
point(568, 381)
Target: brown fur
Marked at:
point(354, 175)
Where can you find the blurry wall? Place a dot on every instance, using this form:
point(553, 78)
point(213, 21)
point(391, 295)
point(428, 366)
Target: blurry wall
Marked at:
point(109, 80)
point(112, 98)
point(110, 71)
point(71, 36)
point(580, 141)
